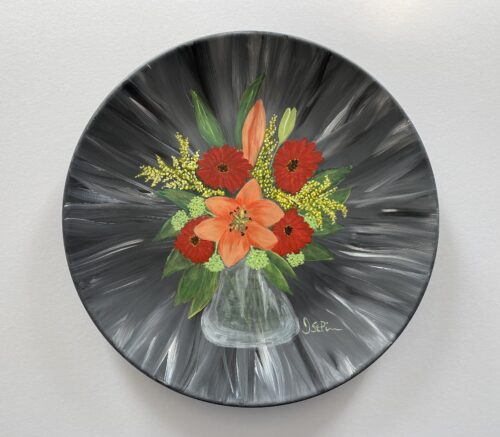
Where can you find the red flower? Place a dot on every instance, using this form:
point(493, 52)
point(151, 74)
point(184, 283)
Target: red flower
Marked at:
point(191, 246)
point(295, 162)
point(293, 233)
point(224, 167)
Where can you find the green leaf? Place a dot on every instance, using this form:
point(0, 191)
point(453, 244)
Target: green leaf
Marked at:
point(335, 174)
point(281, 263)
point(209, 127)
point(317, 252)
point(276, 278)
point(341, 195)
point(178, 197)
point(287, 124)
point(198, 285)
point(328, 229)
point(247, 101)
point(187, 286)
point(175, 263)
point(166, 231)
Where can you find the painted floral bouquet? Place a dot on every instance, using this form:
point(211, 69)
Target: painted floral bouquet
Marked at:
point(261, 202)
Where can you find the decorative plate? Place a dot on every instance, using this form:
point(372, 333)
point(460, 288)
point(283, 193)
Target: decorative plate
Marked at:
point(250, 219)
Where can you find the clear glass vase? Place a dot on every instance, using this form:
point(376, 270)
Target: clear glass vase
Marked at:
point(247, 312)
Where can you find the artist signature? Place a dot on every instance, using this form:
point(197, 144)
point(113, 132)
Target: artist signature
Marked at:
point(316, 327)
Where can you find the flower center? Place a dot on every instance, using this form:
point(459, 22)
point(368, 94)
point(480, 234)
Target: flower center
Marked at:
point(240, 218)
point(222, 168)
point(194, 240)
point(292, 165)
point(288, 230)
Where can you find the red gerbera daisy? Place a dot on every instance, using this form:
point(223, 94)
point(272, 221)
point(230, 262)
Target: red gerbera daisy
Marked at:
point(295, 162)
point(191, 246)
point(293, 233)
point(224, 167)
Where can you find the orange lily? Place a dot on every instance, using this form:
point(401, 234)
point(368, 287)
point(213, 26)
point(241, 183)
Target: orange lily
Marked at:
point(254, 128)
point(240, 223)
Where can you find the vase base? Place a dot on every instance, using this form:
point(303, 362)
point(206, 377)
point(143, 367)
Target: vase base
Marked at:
point(228, 337)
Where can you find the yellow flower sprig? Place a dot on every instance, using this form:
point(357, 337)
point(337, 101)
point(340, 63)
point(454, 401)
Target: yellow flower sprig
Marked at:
point(181, 174)
point(262, 170)
point(314, 198)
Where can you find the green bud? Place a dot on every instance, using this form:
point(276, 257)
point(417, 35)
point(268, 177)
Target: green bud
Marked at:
point(196, 207)
point(295, 259)
point(179, 219)
point(215, 263)
point(287, 124)
point(257, 259)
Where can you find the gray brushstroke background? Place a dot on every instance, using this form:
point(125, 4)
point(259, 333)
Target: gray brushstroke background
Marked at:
point(383, 258)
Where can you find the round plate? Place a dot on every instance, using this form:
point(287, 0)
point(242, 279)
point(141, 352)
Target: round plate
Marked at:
point(349, 301)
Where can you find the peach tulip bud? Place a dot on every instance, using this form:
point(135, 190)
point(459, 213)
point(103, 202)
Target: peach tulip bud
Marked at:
point(254, 128)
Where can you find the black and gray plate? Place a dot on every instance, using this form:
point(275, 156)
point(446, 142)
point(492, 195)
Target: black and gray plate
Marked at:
point(351, 309)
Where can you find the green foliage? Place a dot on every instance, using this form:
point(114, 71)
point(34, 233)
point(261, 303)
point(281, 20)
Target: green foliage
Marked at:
point(328, 229)
point(166, 231)
point(310, 220)
point(335, 175)
point(276, 278)
point(175, 263)
point(341, 195)
point(281, 264)
point(204, 296)
point(317, 252)
point(209, 127)
point(177, 197)
point(247, 101)
point(197, 285)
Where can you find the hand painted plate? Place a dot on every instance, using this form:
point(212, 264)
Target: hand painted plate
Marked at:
point(250, 219)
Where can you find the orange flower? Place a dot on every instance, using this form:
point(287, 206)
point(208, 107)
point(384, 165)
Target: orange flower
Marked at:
point(254, 128)
point(240, 223)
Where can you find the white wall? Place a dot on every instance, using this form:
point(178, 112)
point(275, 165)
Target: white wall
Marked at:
point(58, 61)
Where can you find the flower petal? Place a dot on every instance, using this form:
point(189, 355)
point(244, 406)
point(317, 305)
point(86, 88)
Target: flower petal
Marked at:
point(260, 237)
point(211, 229)
point(233, 247)
point(224, 167)
point(249, 193)
point(254, 129)
point(265, 212)
point(221, 206)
